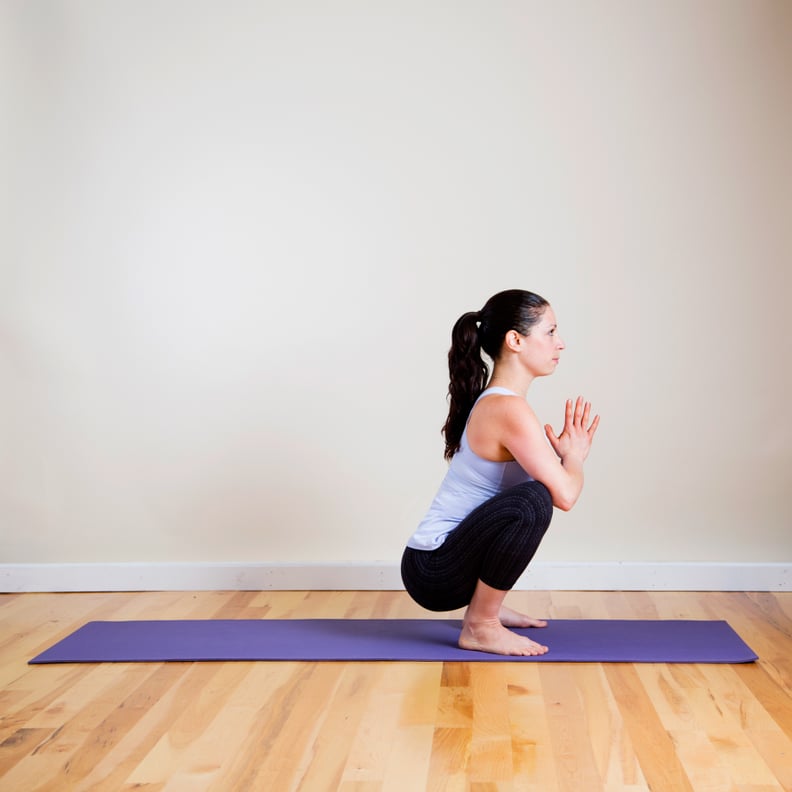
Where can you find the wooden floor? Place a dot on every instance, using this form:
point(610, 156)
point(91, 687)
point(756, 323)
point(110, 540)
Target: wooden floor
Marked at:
point(366, 727)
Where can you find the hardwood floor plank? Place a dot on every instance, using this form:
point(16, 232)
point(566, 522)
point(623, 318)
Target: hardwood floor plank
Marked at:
point(450, 759)
point(565, 605)
point(409, 759)
point(759, 788)
point(370, 749)
point(660, 763)
point(775, 748)
point(416, 686)
point(775, 699)
point(19, 744)
point(421, 685)
point(567, 719)
point(611, 745)
point(283, 606)
point(284, 730)
point(701, 760)
point(454, 708)
point(767, 737)
point(325, 758)
point(490, 746)
point(533, 761)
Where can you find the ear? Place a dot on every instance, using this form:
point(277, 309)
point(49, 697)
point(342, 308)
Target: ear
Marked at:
point(513, 341)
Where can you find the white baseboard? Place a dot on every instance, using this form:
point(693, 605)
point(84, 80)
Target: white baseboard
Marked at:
point(600, 576)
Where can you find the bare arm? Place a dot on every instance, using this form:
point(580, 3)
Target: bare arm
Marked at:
point(561, 472)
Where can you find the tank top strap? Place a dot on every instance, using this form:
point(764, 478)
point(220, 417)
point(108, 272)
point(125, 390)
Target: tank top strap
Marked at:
point(495, 390)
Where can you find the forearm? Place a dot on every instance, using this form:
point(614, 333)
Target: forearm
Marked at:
point(571, 484)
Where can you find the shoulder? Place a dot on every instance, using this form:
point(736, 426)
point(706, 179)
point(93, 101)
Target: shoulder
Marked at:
point(517, 417)
point(502, 418)
point(508, 408)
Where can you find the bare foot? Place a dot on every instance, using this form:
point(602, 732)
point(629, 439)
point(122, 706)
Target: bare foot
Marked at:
point(511, 618)
point(492, 636)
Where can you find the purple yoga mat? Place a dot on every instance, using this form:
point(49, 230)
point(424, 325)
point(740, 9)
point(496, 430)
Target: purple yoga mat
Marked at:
point(429, 640)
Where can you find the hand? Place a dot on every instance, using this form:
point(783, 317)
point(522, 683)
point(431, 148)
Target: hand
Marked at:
point(575, 439)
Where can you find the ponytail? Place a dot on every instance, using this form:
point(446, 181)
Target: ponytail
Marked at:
point(468, 373)
point(473, 333)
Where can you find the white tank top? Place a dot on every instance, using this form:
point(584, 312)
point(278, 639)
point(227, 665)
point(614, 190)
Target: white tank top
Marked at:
point(469, 482)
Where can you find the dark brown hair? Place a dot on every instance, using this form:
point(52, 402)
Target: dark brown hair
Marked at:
point(473, 332)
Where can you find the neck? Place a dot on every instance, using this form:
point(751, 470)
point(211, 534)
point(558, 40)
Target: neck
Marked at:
point(517, 381)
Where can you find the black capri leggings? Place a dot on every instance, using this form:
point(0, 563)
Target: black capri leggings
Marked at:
point(494, 544)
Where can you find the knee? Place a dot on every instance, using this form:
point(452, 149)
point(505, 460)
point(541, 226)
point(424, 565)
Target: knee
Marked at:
point(537, 500)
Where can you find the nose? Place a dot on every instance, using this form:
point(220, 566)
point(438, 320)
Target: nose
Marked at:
point(560, 343)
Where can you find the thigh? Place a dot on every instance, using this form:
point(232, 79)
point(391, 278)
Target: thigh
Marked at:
point(523, 508)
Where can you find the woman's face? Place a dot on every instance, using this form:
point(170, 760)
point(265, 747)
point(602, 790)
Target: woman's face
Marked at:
point(542, 346)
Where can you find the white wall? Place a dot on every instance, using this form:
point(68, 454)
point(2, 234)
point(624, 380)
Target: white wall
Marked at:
point(235, 236)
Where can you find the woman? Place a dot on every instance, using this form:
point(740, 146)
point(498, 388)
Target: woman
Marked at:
point(496, 501)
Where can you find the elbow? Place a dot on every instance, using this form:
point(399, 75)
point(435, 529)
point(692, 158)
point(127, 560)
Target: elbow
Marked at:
point(565, 504)
point(564, 500)
point(566, 492)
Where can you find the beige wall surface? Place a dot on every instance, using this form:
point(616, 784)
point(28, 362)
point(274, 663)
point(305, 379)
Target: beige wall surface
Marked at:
point(234, 237)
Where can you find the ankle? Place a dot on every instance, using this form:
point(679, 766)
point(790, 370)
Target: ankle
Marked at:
point(481, 620)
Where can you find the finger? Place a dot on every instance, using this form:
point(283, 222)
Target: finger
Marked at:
point(594, 425)
point(586, 413)
point(552, 439)
point(578, 410)
point(568, 414)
